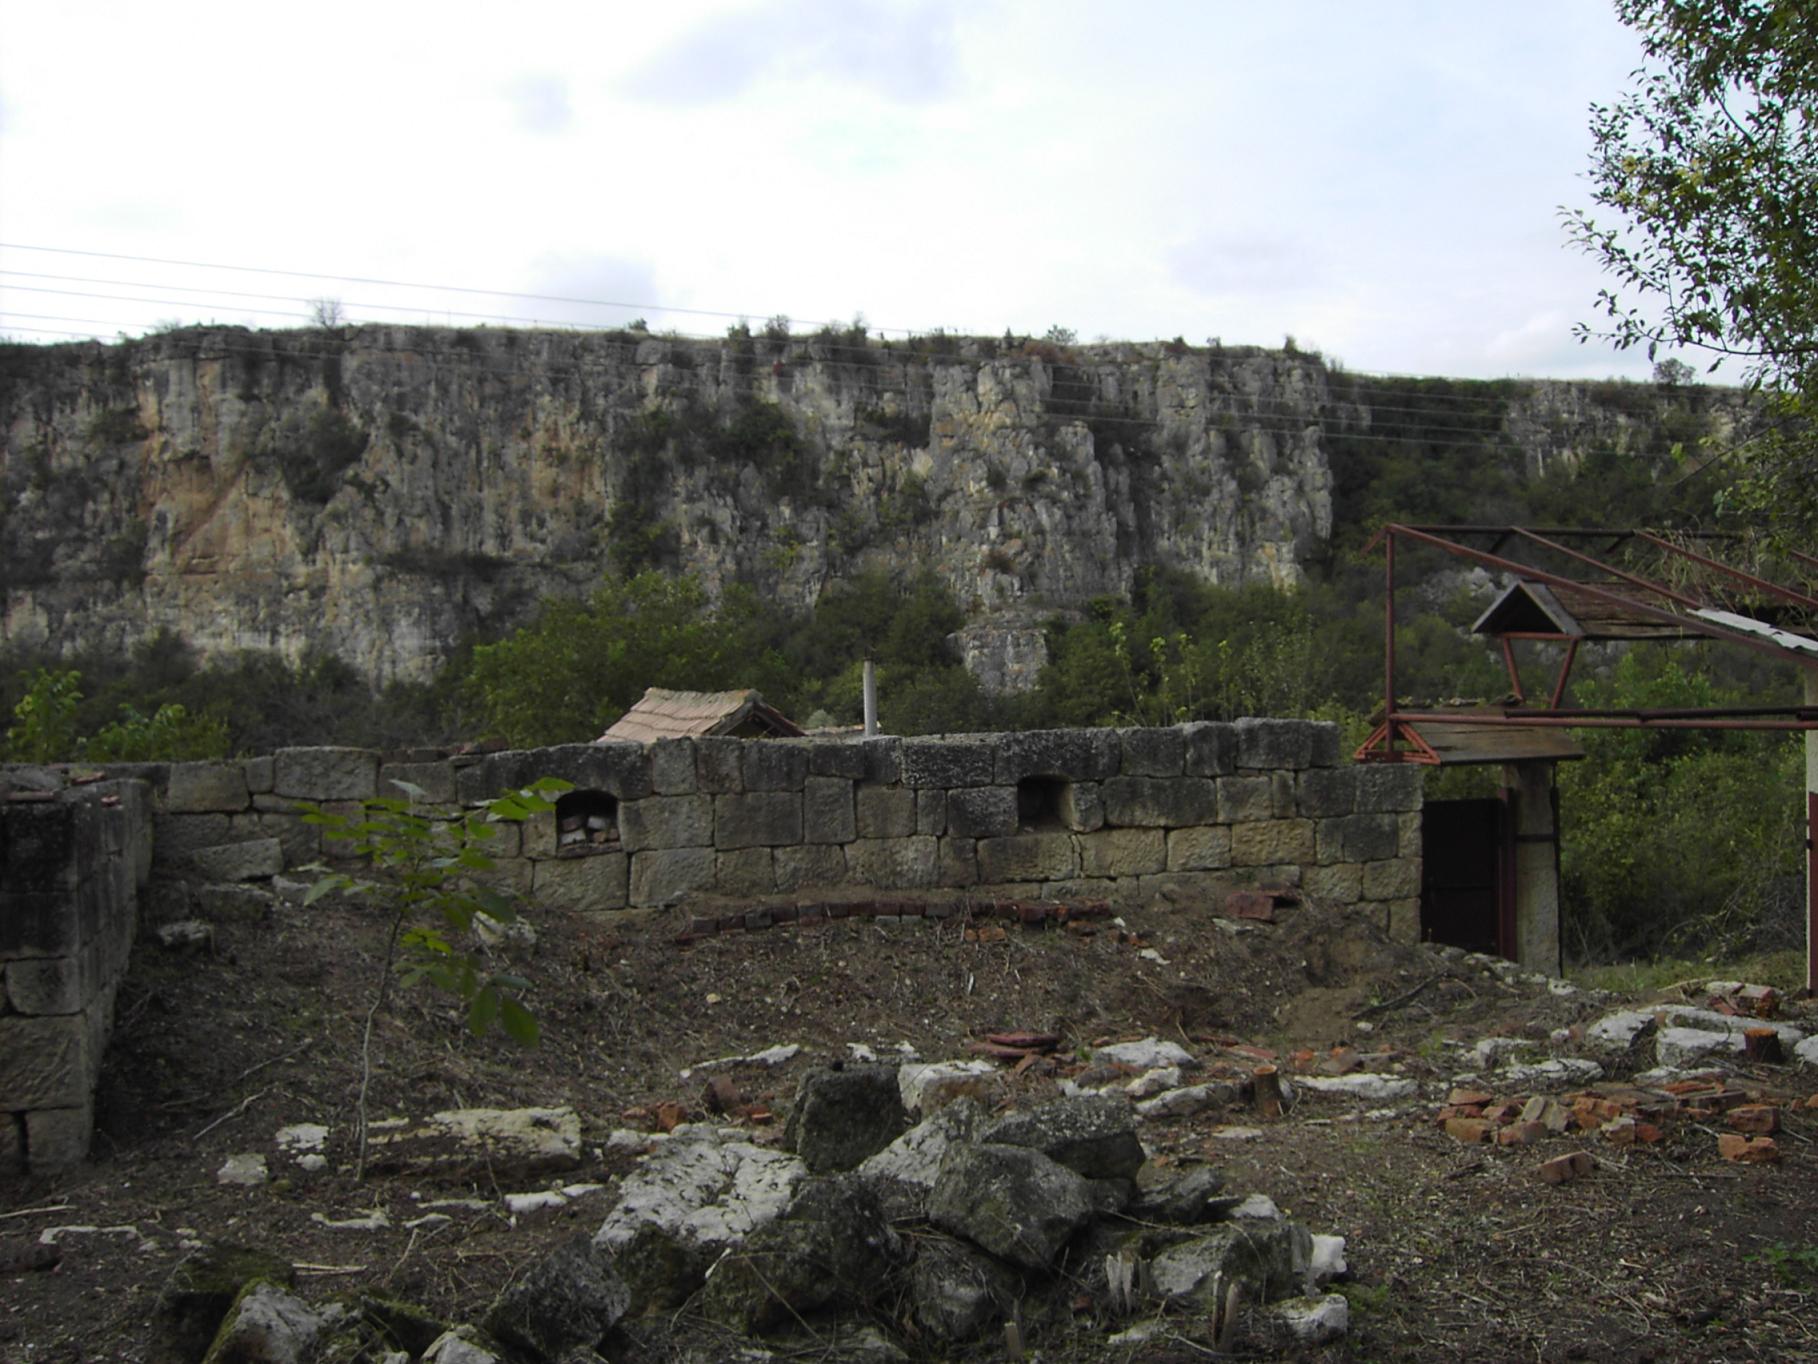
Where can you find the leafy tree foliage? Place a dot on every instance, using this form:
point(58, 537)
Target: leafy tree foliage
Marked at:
point(1708, 167)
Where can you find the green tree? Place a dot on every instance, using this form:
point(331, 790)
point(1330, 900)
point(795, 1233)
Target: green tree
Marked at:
point(427, 873)
point(1708, 170)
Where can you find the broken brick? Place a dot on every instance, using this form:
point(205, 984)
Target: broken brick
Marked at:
point(1753, 1150)
point(1469, 1130)
point(669, 1115)
point(1251, 904)
point(1462, 1097)
point(1521, 1134)
point(1562, 1169)
point(1619, 1131)
point(1760, 1119)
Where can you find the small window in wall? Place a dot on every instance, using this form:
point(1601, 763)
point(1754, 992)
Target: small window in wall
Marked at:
point(586, 821)
point(1043, 804)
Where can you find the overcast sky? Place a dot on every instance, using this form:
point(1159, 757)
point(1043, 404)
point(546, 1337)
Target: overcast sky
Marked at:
point(1381, 181)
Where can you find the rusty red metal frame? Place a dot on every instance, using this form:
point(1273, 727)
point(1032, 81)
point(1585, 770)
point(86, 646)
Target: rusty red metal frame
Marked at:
point(1404, 724)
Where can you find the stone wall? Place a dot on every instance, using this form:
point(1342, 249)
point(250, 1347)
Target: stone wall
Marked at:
point(71, 863)
point(1117, 814)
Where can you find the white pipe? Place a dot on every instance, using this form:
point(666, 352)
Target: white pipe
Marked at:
point(870, 698)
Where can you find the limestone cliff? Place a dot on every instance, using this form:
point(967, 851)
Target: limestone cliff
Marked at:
point(379, 491)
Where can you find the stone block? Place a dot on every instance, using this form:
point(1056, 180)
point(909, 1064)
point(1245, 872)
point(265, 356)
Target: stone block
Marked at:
point(1029, 857)
point(619, 769)
point(12, 1145)
point(1389, 786)
point(883, 760)
point(1359, 838)
point(1326, 792)
point(196, 788)
point(477, 782)
point(1075, 754)
point(775, 765)
point(596, 881)
point(538, 835)
point(1160, 802)
point(174, 837)
point(664, 875)
point(58, 1138)
point(326, 773)
point(894, 863)
point(1152, 752)
point(1242, 799)
point(982, 811)
point(666, 822)
point(948, 762)
point(1402, 922)
point(719, 765)
point(1396, 879)
point(50, 985)
point(957, 862)
point(748, 871)
point(1408, 835)
point(510, 875)
point(48, 846)
point(46, 1062)
point(254, 860)
point(828, 812)
point(1207, 848)
point(1327, 742)
point(885, 812)
point(1082, 806)
point(435, 780)
point(1273, 841)
point(1274, 745)
point(1211, 748)
point(226, 902)
point(1090, 888)
point(810, 867)
point(38, 923)
point(757, 819)
point(672, 768)
point(300, 843)
point(836, 758)
point(260, 774)
point(1340, 882)
point(1123, 852)
point(930, 811)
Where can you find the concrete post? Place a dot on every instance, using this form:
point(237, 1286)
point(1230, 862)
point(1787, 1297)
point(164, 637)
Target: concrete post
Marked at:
point(1811, 837)
point(1536, 888)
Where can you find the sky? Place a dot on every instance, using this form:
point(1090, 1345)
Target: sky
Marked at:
point(1381, 182)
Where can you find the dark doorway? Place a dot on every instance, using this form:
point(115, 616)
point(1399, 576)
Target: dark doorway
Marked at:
point(1464, 892)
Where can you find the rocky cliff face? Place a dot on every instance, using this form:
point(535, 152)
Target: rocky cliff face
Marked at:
point(379, 491)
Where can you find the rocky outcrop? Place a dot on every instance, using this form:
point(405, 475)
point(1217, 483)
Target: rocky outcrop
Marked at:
point(378, 492)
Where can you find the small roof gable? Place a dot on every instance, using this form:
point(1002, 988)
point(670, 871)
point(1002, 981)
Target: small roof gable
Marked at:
point(663, 714)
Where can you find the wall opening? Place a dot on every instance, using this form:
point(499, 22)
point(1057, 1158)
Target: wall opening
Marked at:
point(586, 821)
point(1043, 804)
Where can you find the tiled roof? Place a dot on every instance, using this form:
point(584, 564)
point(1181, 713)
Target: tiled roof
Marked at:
point(662, 714)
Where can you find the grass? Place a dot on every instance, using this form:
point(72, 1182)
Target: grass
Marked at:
point(1783, 970)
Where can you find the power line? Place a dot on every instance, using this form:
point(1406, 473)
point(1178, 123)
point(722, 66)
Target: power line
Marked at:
point(1254, 408)
point(835, 325)
point(1289, 422)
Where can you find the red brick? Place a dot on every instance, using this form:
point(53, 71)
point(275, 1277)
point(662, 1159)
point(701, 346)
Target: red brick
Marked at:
point(1812, 1102)
point(1468, 1096)
point(1648, 1133)
point(1502, 1112)
point(1468, 1129)
point(1251, 904)
point(1619, 1131)
point(1760, 1119)
point(1754, 1150)
point(1561, 1169)
point(1521, 1134)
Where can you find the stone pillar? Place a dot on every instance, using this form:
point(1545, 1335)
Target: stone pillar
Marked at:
point(1536, 881)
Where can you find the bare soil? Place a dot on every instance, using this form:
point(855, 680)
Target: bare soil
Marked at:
point(1663, 1252)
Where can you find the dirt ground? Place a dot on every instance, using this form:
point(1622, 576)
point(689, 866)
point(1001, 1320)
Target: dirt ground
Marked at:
point(1662, 1252)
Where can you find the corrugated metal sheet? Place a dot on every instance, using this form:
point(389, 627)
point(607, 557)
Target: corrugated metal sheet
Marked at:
point(663, 714)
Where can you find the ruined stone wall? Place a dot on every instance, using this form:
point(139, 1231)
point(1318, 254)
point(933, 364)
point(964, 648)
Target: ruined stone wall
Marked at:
point(1119, 814)
point(71, 863)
